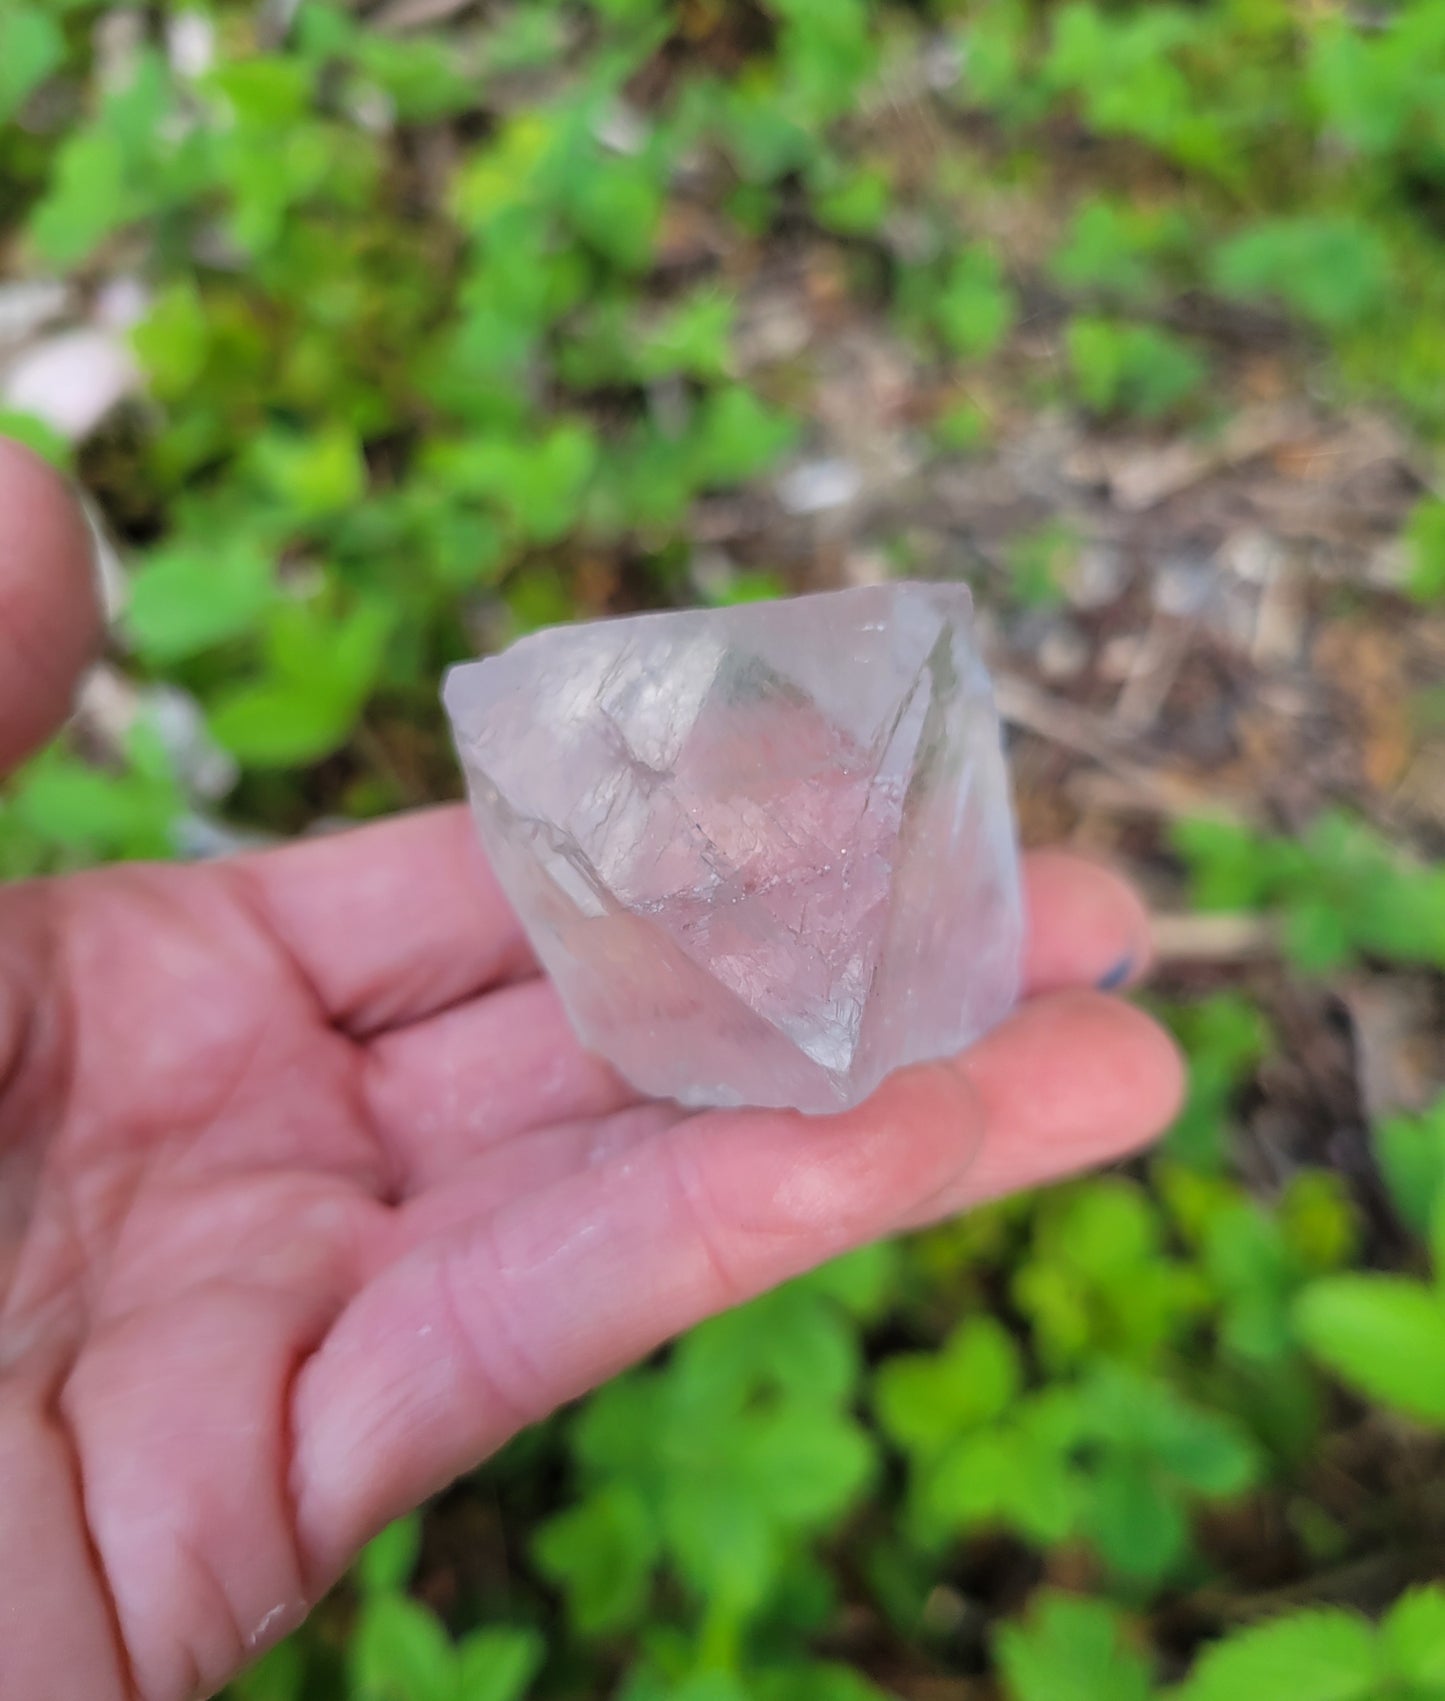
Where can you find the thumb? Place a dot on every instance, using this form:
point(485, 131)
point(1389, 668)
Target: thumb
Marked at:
point(50, 621)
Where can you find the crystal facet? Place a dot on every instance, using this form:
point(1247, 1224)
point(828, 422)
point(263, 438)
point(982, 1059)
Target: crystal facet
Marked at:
point(766, 853)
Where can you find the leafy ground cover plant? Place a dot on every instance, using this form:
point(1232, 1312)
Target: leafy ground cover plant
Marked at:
point(457, 321)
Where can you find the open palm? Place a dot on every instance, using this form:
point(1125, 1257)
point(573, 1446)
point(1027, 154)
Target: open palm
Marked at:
point(309, 1199)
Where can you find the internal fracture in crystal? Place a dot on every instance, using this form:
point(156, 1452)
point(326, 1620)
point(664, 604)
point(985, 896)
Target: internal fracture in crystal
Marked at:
point(766, 853)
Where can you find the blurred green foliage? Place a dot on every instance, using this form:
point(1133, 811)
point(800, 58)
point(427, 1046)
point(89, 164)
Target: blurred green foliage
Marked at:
point(420, 349)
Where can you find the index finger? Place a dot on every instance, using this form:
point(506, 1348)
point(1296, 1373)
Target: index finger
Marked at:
point(390, 923)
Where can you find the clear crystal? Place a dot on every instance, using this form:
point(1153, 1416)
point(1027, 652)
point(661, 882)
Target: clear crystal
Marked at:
point(766, 853)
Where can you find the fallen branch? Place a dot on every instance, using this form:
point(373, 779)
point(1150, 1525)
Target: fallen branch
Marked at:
point(1024, 705)
point(1222, 938)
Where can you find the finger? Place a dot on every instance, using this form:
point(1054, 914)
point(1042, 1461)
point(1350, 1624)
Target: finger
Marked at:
point(1072, 1081)
point(462, 1341)
point(1087, 926)
point(176, 1416)
point(481, 1074)
point(50, 622)
point(1143, 1074)
point(43, 1539)
point(501, 1066)
point(391, 923)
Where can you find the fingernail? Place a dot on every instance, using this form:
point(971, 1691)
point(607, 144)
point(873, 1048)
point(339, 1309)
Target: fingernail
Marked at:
point(1112, 979)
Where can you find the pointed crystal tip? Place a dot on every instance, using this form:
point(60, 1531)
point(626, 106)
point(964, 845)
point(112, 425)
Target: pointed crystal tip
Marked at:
point(766, 853)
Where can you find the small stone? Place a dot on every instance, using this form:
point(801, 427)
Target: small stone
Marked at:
point(766, 853)
point(814, 487)
point(1063, 652)
point(72, 380)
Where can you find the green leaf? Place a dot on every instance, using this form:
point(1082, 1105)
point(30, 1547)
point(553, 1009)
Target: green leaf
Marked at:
point(1246, 1256)
point(974, 308)
point(279, 1675)
point(925, 1401)
point(1411, 1152)
point(400, 1652)
point(1317, 934)
point(965, 1487)
point(1333, 271)
point(1041, 1491)
point(1224, 1037)
point(388, 1559)
point(1364, 92)
point(173, 340)
point(37, 436)
point(498, 1664)
point(693, 338)
point(538, 485)
point(550, 483)
point(1205, 1451)
point(280, 725)
point(1309, 1656)
point(1229, 866)
point(1011, 1477)
point(964, 428)
point(616, 206)
point(345, 654)
point(1073, 1650)
point(1126, 1411)
point(538, 596)
point(617, 1429)
point(853, 202)
point(724, 1542)
point(98, 815)
point(644, 1684)
point(791, 1340)
point(315, 474)
point(1038, 562)
point(1134, 369)
point(31, 47)
point(814, 1681)
point(124, 165)
point(1384, 1335)
point(806, 1465)
point(1096, 1277)
point(627, 11)
point(1124, 74)
point(267, 91)
point(1412, 1640)
point(1317, 1221)
point(319, 675)
point(1112, 247)
point(1135, 1520)
point(601, 1553)
point(864, 1282)
point(734, 437)
point(760, 130)
point(1425, 543)
point(424, 76)
point(191, 594)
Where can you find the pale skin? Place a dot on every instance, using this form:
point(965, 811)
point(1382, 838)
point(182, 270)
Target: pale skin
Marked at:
point(309, 1200)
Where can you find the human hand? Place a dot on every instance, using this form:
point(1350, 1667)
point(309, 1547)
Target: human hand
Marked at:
point(309, 1199)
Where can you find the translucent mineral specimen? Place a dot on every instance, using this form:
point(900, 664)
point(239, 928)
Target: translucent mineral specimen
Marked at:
point(767, 852)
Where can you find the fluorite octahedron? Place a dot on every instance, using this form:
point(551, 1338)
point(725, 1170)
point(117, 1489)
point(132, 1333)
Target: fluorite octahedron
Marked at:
point(766, 852)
